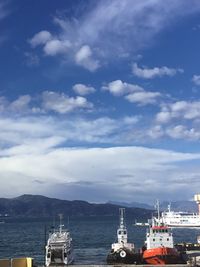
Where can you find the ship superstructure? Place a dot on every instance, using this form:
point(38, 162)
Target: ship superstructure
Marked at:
point(159, 245)
point(122, 251)
point(59, 249)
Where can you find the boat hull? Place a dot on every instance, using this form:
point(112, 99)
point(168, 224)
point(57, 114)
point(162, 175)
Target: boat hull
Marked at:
point(162, 256)
point(124, 256)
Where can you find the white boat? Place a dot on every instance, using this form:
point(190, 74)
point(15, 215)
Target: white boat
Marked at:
point(141, 223)
point(122, 251)
point(59, 249)
point(180, 219)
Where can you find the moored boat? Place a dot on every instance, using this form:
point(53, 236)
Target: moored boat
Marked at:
point(59, 249)
point(159, 247)
point(122, 251)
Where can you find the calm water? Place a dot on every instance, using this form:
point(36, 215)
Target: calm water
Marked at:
point(92, 238)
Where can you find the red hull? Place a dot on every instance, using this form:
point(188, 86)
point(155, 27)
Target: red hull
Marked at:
point(161, 256)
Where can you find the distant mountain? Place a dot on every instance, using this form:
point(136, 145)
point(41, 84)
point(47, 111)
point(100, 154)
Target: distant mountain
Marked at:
point(189, 206)
point(132, 204)
point(41, 206)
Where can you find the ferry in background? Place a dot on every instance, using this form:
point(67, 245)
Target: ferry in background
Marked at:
point(182, 219)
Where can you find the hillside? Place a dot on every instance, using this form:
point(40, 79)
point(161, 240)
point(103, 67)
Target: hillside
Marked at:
point(41, 206)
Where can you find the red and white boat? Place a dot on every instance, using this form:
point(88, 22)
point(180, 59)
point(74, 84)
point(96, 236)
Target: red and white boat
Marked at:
point(159, 246)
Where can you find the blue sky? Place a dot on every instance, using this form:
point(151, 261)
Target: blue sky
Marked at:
point(100, 100)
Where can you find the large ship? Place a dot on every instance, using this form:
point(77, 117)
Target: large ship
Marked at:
point(181, 219)
point(59, 249)
point(123, 252)
point(159, 246)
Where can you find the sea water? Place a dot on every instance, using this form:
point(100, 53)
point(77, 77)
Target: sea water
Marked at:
point(92, 237)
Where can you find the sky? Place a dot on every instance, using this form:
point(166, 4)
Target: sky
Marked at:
point(100, 100)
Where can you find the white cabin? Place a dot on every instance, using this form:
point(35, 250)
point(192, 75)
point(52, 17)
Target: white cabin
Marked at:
point(159, 236)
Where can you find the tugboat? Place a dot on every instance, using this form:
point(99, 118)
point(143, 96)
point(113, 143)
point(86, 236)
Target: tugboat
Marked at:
point(122, 251)
point(159, 247)
point(59, 249)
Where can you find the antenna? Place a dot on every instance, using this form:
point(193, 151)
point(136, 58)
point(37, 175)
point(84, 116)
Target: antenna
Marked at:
point(197, 199)
point(45, 241)
point(157, 206)
point(122, 212)
point(61, 225)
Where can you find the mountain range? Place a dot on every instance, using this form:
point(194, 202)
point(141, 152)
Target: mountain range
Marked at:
point(30, 206)
point(40, 206)
point(188, 206)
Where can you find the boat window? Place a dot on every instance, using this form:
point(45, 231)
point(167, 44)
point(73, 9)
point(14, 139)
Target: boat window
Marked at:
point(120, 232)
point(167, 239)
point(153, 239)
point(124, 232)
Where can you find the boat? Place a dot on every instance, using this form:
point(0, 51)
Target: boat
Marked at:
point(182, 219)
point(159, 246)
point(123, 252)
point(141, 223)
point(59, 248)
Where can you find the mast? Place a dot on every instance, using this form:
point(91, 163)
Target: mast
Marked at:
point(121, 222)
point(61, 225)
point(157, 206)
point(122, 231)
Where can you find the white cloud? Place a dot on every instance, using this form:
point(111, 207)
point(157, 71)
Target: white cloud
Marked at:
point(95, 38)
point(40, 143)
point(40, 38)
point(187, 110)
point(147, 73)
point(156, 132)
point(84, 58)
point(132, 92)
point(55, 47)
point(46, 101)
point(143, 98)
point(20, 105)
point(98, 169)
point(163, 116)
point(182, 132)
point(62, 103)
point(196, 79)
point(83, 89)
point(119, 88)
